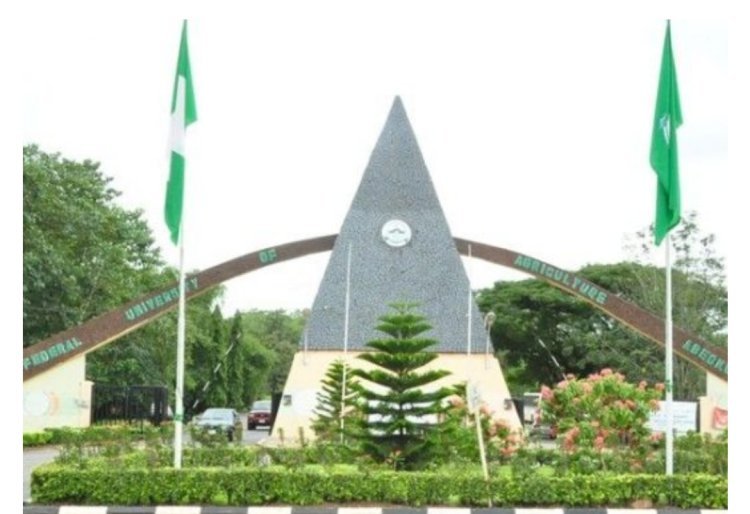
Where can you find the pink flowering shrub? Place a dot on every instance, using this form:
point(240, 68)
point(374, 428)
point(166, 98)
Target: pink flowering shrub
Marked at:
point(499, 439)
point(600, 411)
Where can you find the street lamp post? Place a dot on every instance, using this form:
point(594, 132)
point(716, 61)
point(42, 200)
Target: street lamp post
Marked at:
point(557, 364)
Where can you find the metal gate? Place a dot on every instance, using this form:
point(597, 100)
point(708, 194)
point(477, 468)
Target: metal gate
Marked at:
point(115, 404)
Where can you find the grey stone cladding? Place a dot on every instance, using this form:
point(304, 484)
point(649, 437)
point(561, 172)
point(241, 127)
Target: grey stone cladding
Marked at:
point(427, 270)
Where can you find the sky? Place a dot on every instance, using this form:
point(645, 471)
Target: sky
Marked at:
point(536, 132)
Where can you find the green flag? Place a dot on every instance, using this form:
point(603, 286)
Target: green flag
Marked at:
point(183, 114)
point(667, 118)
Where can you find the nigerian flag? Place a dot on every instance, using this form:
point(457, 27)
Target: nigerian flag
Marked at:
point(183, 114)
point(667, 118)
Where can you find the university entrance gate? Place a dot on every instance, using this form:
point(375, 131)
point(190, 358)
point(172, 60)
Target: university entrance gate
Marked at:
point(398, 236)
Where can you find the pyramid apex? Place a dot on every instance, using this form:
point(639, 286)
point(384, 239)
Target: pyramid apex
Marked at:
point(397, 108)
point(396, 196)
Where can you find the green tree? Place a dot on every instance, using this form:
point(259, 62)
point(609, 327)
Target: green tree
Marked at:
point(395, 408)
point(279, 332)
point(699, 292)
point(83, 254)
point(249, 366)
point(237, 366)
point(205, 344)
point(541, 333)
point(601, 411)
point(336, 400)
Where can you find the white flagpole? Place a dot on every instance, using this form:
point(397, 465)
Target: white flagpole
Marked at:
point(346, 337)
point(468, 313)
point(178, 409)
point(668, 364)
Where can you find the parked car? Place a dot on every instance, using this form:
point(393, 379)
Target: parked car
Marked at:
point(218, 420)
point(259, 415)
point(542, 430)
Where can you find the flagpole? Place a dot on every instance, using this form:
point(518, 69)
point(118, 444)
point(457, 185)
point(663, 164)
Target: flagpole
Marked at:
point(346, 337)
point(183, 113)
point(178, 410)
point(669, 360)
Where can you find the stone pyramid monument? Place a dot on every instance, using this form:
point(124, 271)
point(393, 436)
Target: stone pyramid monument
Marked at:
point(401, 251)
point(394, 246)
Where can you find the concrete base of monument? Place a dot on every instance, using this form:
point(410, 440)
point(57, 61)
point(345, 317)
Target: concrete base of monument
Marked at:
point(299, 400)
point(60, 397)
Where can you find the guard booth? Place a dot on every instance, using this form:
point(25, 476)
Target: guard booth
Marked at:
point(129, 404)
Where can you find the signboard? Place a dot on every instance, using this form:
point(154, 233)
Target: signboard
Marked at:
point(684, 416)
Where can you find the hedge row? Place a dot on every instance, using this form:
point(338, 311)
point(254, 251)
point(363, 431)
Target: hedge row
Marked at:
point(94, 434)
point(317, 485)
point(36, 438)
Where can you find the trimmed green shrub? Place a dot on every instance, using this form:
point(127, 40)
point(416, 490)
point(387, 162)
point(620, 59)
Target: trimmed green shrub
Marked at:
point(96, 434)
point(314, 485)
point(36, 438)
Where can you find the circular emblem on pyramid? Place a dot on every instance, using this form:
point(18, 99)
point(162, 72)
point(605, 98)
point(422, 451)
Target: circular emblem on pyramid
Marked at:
point(396, 233)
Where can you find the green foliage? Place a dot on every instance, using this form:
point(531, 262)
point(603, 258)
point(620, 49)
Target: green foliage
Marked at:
point(536, 324)
point(455, 443)
point(532, 315)
point(699, 292)
point(83, 254)
point(36, 438)
point(600, 411)
point(622, 460)
point(240, 359)
point(94, 434)
point(457, 440)
point(315, 485)
point(701, 453)
point(207, 347)
point(336, 400)
point(238, 363)
point(142, 474)
point(395, 409)
point(277, 332)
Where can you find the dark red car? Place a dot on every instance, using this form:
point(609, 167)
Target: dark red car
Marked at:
point(259, 415)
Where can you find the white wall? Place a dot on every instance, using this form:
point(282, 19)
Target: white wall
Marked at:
point(60, 397)
point(714, 406)
point(308, 370)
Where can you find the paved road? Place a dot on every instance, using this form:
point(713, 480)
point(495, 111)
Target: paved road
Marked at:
point(33, 457)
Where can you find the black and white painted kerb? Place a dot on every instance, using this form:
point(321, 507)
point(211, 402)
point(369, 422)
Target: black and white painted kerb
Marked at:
point(32, 509)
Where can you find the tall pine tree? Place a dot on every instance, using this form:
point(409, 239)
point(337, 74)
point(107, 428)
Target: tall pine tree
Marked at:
point(398, 413)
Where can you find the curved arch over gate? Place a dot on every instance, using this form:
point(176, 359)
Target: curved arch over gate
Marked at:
point(107, 327)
